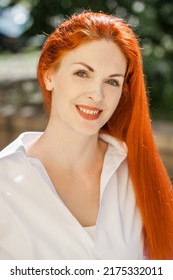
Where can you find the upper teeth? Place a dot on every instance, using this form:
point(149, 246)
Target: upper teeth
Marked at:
point(90, 112)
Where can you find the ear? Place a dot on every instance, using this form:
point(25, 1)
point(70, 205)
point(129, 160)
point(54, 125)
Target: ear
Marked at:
point(48, 80)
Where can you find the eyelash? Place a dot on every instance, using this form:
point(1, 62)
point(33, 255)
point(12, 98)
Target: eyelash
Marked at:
point(78, 72)
point(114, 81)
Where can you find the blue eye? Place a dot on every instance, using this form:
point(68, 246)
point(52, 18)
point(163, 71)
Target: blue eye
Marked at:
point(81, 73)
point(113, 82)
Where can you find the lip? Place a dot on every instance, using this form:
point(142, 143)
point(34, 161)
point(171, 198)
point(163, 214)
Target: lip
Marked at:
point(89, 107)
point(89, 116)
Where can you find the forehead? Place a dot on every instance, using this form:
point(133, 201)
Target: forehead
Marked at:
point(99, 53)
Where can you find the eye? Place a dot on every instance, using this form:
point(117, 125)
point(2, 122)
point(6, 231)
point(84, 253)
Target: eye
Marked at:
point(81, 73)
point(113, 82)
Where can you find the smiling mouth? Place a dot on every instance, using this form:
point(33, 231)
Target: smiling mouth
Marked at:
point(88, 112)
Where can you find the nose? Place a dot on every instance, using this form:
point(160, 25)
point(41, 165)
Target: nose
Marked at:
point(95, 93)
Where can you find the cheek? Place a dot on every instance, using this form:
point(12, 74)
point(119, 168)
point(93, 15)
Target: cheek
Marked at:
point(114, 100)
point(60, 91)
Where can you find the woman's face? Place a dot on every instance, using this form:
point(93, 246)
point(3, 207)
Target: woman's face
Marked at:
point(87, 86)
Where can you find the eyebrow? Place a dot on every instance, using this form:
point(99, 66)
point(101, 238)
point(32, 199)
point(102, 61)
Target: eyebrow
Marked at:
point(92, 70)
point(85, 65)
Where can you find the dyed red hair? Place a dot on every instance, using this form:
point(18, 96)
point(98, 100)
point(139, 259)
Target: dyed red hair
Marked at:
point(130, 122)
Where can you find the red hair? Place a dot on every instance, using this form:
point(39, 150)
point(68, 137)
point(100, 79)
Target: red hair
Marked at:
point(129, 123)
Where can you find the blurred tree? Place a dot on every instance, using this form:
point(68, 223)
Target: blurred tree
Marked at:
point(152, 20)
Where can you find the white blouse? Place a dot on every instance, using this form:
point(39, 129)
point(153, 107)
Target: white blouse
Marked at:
point(91, 231)
point(36, 224)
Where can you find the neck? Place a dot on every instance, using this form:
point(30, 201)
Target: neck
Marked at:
point(72, 150)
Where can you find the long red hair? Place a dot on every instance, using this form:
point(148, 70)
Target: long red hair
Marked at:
point(129, 123)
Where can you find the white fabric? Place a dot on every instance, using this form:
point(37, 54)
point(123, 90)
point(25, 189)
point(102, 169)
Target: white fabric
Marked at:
point(91, 231)
point(36, 224)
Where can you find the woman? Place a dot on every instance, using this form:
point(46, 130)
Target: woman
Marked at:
point(92, 185)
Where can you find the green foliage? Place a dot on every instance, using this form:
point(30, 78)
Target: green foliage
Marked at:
point(152, 20)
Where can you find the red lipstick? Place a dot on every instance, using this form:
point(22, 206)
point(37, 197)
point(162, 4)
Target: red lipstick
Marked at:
point(88, 112)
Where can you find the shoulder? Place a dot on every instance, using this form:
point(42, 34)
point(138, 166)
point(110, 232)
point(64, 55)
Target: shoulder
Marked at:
point(14, 163)
point(11, 155)
point(116, 145)
point(13, 167)
point(116, 154)
point(12, 148)
point(17, 147)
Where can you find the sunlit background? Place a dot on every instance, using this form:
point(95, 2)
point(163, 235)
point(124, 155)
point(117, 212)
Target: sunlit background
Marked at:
point(24, 26)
